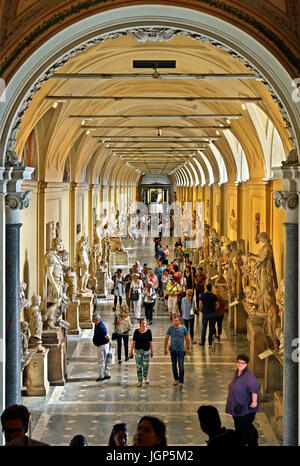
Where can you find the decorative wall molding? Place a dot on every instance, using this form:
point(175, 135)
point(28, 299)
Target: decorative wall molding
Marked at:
point(142, 34)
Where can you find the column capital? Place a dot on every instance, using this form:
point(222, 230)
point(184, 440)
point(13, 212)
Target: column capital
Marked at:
point(17, 200)
point(286, 200)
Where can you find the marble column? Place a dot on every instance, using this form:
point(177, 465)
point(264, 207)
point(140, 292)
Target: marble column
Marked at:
point(289, 202)
point(15, 201)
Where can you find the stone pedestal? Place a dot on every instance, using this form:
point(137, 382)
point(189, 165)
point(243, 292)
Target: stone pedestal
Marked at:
point(231, 314)
point(277, 420)
point(273, 375)
point(240, 318)
point(85, 310)
point(37, 383)
point(121, 257)
point(257, 343)
point(101, 289)
point(112, 259)
point(72, 316)
point(55, 341)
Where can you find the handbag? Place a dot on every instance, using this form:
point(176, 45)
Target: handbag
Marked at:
point(237, 408)
point(112, 291)
point(114, 336)
point(111, 355)
point(134, 295)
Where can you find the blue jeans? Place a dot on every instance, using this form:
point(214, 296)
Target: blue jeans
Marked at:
point(177, 356)
point(208, 319)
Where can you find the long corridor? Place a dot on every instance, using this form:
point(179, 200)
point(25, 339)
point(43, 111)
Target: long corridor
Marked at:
point(84, 406)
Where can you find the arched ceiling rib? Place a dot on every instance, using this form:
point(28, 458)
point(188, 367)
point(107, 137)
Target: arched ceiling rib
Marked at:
point(80, 99)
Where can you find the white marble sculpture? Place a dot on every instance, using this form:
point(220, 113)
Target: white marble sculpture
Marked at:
point(82, 263)
point(35, 322)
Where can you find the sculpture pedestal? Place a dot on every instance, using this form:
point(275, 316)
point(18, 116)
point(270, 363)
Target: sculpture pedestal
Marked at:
point(257, 344)
point(240, 318)
point(278, 412)
point(230, 318)
point(121, 257)
point(72, 316)
point(112, 259)
point(101, 289)
point(37, 383)
point(273, 376)
point(54, 340)
point(85, 310)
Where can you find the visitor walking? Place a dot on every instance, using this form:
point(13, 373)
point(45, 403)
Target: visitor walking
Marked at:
point(243, 402)
point(179, 257)
point(188, 312)
point(207, 305)
point(122, 328)
point(173, 291)
point(127, 282)
point(219, 314)
point(102, 340)
point(178, 334)
point(149, 296)
point(118, 280)
point(135, 294)
point(143, 350)
point(200, 279)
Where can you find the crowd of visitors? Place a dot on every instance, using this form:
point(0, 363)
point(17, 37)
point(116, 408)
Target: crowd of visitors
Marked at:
point(183, 291)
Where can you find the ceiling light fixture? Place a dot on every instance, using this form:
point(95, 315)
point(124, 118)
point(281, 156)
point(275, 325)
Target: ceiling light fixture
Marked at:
point(244, 107)
point(217, 132)
point(55, 104)
point(83, 122)
point(87, 132)
point(228, 121)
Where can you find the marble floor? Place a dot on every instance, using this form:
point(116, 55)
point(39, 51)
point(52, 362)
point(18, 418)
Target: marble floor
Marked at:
point(84, 406)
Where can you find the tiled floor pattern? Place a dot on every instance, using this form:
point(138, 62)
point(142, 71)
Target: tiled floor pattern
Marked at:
point(91, 408)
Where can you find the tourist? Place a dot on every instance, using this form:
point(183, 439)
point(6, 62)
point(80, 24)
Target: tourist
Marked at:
point(188, 312)
point(218, 436)
point(122, 328)
point(118, 289)
point(161, 256)
point(149, 296)
point(153, 279)
point(127, 282)
point(242, 402)
point(165, 280)
point(179, 257)
point(15, 423)
point(190, 282)
point(207, 305)
point(167, 253)
point(102, 340)
point(138, 267)
point(144, 274)
point(181, 280)
point(173, 291)
point(143, 350)
point(178, 334)
point(79, 441)
point(118, 436)
point(151, 432)
point(159, 270)
point(135, 294)
point(178, 243)
point(200, 279)
point(219, 314)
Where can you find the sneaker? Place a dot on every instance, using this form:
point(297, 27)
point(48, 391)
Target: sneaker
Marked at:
point(219, 337)
point(126, 359)
point(100, 379)
point(175, 382)
point(150, 322)
point(139, 384)
point(146, 381)
point(120, 362)
point(107, 377)
point(180, 385)
point(201, 344)
point(194, 342)
point(210, 344)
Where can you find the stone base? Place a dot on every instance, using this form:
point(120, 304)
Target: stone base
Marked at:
point(121, 257)
point(55, 341)
point(101, 289)
point(273, 375)
point(240, 318)
point(277, 420)
point(257, 344)
point(112, 259)
point(85, 310)
point(72, 316)
point(37, 383)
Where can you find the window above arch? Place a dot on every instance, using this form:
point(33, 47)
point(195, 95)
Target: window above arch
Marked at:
point(220, 162)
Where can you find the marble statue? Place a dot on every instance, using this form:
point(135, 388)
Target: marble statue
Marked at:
point(266, 278)
point(237, 276)
point(35, 322)
point(64, 257)
point(24, 303)
point(24, 337)
point(105, 245)
point(97, 242)
point(54, 277)
point(82, 263)
point(71, 280)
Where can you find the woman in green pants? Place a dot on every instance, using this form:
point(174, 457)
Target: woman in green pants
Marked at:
point(143, 350)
